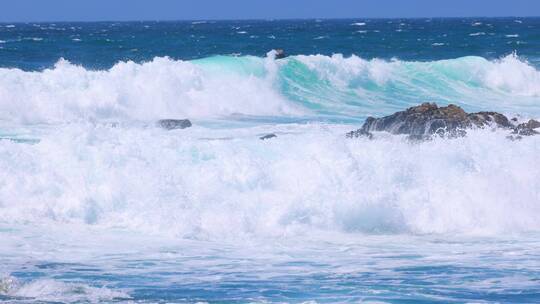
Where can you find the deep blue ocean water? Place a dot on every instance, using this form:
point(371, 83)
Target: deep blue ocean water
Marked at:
point(35, 46)
point(99, 205)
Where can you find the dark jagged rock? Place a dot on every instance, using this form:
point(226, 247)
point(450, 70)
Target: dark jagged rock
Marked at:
point(268, 136)
point(172, 124)
point(424, 121)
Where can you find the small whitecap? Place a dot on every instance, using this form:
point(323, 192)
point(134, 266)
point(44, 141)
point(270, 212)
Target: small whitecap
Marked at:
point(253, 36)
point(359, 23)
point(320, 37)
point(477, 34)
point(362, 32)
point(241, 32)
point(438, 44)
point(512, 36)
point(9, 26)
point(272, 37)
point(516, 42)
point(76, 39)
point(477, 24)
point(2, 41)
point(198, 22)
point(518, 21)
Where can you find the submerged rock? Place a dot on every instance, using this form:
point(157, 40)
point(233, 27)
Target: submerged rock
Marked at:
point(359, 133)
point(428, 119)
point(268, 136)
point(172, 124)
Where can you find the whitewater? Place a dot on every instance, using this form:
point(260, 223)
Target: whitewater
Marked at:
point(98, 204)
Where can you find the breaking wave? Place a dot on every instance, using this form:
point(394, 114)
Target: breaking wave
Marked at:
point(211, 182)
point(299, 86)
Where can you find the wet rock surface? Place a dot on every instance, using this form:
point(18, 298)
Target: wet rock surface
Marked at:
point(173, 124)
point(268, 136)
point(427, 120)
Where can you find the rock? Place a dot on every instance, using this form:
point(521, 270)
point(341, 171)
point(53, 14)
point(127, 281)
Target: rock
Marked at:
point(528, 128)
point(533, 124)
point(514, 138)
point(280, 54)
point(268, 136)
point(172, 124)
point(424, 121)
point(420, 121)
point(359, 133)
point(483, 119)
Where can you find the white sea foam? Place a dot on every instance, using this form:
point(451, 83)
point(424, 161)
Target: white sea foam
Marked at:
point(311, 178)
point(54, 290)
point(161, 88)
point(223, 86)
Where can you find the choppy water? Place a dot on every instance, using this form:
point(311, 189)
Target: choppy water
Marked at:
point(97, 204)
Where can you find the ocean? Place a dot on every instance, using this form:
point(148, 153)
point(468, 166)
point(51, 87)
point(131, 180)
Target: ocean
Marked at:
point(98, 204)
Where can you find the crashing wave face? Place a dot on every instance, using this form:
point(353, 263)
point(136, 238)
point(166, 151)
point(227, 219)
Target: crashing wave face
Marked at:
point(333, 87)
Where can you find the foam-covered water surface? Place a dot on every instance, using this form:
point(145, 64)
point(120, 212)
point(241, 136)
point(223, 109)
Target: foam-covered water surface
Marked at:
point(323, 268)
point(98, 204)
